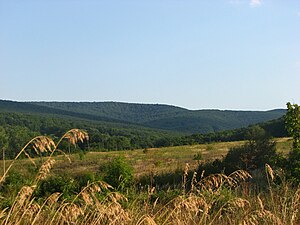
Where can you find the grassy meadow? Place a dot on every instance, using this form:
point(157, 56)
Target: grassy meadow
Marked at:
point(214, 199)
point(146, 161)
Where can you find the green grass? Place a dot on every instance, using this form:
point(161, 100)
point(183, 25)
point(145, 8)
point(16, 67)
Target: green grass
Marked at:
point(153, 160)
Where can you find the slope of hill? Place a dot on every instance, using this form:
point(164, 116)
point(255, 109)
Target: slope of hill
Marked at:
point(20, 121)
point(166, 117)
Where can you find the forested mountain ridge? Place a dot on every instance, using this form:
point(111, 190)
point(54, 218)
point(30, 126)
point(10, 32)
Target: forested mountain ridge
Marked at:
point(19, 122)
point(163, 117)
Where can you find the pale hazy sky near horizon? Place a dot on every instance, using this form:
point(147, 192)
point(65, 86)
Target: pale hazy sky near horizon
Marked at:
point(222, 54)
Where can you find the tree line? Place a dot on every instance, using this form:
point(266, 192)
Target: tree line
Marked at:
point(17, 128)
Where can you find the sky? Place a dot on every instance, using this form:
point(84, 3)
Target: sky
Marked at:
point(196, 54)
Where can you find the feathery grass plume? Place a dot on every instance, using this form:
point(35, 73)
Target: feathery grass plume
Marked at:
point(234, 206)
point(69, 214)
point(52, 199)
point(294, 208)
point(45, 170)
point(215, 182)
point(188, 210)
point(20, 204)
point(74, 136)
point(146, 220)
point(30, 212)
point(212, 183)
point(238, 176)
point(193, 181)
point(262, 216)
point(91, 188)
point(237, 203)
point(269, 171)
point(24, 209)
point(185, 175)
point(107, 211)
point(43, 144)
point(46, 209)
point(40, 144)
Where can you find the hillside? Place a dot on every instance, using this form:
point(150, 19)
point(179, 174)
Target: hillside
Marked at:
point(163, 117)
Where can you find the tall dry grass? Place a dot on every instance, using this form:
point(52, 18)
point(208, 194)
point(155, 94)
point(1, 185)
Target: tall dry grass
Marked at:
point(214, 199)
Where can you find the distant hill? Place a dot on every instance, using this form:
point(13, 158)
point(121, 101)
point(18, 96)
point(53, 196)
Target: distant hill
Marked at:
point(162, 117)
point(123, 126)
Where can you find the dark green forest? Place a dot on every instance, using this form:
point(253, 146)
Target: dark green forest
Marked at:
point(113, 127)
point(163, 117)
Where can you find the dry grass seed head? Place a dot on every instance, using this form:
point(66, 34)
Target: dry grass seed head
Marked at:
point(235, 204)
point(87, 198)
point(31, 212)
point(102, 186)
point(45, 169)
point(76, 135)
point(52, 199)
point(212, 182)
point(270, 171)
point(111, 212)
point(43, 144)
point(240, 175)
point(70, 213)
point(116, 197)
point(262, 217)
point(194, 181)
point(146, 220)
point(295, 206)
point(24, 194)
point(260, 203)
point(192, 204)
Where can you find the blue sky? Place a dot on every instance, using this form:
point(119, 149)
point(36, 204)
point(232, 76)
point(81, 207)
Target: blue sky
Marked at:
point(224, 54)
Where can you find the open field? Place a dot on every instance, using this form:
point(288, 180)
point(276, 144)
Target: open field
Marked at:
point(153, 160)
point(157, 160)
point(195, 200)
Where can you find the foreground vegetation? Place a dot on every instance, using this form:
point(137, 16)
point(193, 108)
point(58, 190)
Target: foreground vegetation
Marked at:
point(197, 199)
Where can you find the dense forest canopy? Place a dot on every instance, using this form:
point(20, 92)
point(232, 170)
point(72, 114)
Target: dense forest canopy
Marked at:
point(21, 121)
point(163, 117)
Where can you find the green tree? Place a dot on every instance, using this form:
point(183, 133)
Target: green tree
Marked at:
point(3, 138)
point(3, 145)
point(292, 120)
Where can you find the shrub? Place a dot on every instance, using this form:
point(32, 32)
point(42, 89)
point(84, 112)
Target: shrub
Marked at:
point(198, 157)
point(52, 184)
point(258, 151)
point(84, 179)
point(119, 173)
point(254, 154)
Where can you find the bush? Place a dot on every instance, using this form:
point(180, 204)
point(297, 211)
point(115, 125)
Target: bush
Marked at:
point(254, 154)
point(84, 179)
point(119, 173)
point(52, 184)
point(258, 151)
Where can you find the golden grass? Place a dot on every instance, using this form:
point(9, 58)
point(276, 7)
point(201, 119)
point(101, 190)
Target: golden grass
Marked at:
point(215, 199)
